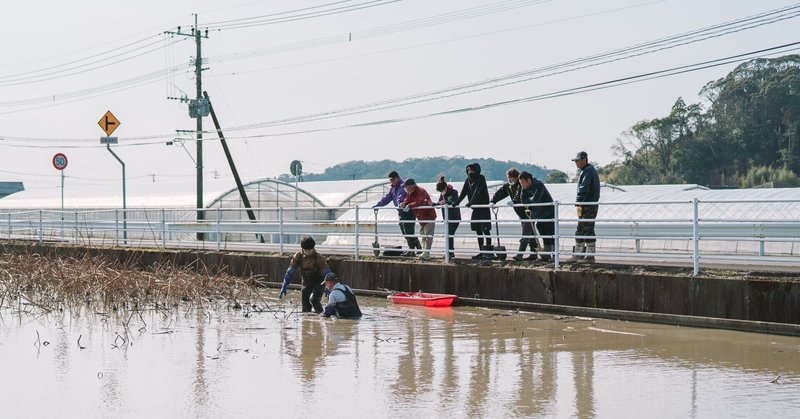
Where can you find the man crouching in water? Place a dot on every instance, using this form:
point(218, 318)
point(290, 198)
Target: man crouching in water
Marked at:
point(313, 268)
point(341, 300)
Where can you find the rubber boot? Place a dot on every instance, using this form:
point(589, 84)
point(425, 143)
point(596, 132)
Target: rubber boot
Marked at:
point(578, 248)
point(589, 258)
point(479, 255)
point(547, 248)
point(490, 255)
point(521, 252)
point(416, 245)
point(533, 257)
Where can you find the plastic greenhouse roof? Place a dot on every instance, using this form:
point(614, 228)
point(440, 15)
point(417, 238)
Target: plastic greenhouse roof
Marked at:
point(181, 194)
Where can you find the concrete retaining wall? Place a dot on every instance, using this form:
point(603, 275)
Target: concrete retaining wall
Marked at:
point(775, 300)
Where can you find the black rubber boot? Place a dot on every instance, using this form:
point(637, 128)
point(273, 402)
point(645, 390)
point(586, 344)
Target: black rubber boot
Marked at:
point(520, 252)
point(533, 257)
point(489, 256)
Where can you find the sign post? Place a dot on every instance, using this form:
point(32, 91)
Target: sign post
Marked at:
point(296, 167)
point(60, 163)
point(108, 123)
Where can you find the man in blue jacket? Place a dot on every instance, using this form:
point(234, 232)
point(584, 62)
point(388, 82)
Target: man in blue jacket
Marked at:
point(589, 192)
point(397, 195)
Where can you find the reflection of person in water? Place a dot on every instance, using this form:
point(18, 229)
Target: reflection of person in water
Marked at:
point(341, 300)
point(305, 347)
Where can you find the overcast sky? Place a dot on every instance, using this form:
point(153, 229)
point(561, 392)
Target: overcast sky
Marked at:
point(55, 52)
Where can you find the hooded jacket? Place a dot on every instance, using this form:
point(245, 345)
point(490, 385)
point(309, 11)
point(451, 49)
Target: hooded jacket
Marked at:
point(477, 193)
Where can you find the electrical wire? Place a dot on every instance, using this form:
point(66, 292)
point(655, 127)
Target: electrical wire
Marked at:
point(573, 65)
point(81, 69)
point(304, 16)
point(252, 18)
point(622, 81)
point(568, 92)
point(379, 30)
point(444, 41)
point(541, 72)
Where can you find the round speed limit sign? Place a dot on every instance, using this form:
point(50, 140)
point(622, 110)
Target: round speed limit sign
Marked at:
point(60, 161)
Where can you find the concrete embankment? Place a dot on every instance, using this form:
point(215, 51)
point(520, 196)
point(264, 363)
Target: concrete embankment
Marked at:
point(741, 301)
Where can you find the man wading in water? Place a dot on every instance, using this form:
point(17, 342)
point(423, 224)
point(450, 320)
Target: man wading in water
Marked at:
point(313, 269)
point(341, 300)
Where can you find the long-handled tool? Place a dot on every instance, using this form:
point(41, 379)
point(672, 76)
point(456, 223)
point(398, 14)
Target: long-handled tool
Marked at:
point(499, 250)
point(375, 245)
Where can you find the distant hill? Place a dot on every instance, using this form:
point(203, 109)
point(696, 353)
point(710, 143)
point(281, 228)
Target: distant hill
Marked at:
point(427, 169)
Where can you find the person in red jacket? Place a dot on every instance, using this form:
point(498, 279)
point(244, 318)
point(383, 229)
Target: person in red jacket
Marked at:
point(417, 197)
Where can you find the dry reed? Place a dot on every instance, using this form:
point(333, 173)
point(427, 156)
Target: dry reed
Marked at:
point(34, 282)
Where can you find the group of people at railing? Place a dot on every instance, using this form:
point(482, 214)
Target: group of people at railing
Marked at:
point(528, 196)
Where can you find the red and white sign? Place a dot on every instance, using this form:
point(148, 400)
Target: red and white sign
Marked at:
point(60, 161)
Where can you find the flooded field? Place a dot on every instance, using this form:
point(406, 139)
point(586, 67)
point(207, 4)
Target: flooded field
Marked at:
point(398, 361)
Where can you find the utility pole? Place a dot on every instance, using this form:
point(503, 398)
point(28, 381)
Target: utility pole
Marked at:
point(198, 108)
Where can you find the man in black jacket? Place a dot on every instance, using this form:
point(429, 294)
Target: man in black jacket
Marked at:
point(511, 190)
point(589, 192)
point(534, 192)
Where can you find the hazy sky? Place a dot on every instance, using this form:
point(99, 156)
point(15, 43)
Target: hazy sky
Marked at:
point(55, 52)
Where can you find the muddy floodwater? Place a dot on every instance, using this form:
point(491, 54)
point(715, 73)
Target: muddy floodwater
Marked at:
point(397, 362)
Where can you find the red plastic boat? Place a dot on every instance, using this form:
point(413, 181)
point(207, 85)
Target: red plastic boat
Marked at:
point(423, 299)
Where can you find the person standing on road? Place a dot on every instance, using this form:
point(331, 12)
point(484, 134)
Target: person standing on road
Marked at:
point(397, 195)
point(448, 197)
point(416, 198)
point(511, 189)
point(533, 191)
point(313, 267)
point(477, 193)
point(341, 299)
point(589, 192)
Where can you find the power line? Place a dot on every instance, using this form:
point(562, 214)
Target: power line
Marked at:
point(587, 88)
point(537, 73)
point(381, 30)
point(568, 92)
point(304, 16)
point(444, 41)
point(543, 72)
point(81, 69)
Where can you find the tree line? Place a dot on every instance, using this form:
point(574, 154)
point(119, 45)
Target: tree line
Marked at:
point(427, 169)
point(746, 134)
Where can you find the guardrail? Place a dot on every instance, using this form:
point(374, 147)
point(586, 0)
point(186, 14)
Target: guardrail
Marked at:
point(683, 231)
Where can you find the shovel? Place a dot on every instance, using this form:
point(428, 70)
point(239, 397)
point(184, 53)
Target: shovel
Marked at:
point(499, 250)
point(375, 245)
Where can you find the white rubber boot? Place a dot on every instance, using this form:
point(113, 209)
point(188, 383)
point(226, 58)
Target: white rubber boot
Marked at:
point(578, 248)
point(589, 258)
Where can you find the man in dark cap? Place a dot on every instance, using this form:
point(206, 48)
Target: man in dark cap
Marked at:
point(313, 267)
point(341, 300)
point(589, 192)
point(397, 195)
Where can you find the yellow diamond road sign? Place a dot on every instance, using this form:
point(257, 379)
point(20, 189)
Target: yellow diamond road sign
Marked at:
point(108, 123)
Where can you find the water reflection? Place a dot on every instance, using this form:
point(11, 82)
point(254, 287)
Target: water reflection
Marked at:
point(396, 361)
point(199, 386)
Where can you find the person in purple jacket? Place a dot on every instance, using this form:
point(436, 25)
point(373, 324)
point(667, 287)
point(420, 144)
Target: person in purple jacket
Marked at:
point(397, 195)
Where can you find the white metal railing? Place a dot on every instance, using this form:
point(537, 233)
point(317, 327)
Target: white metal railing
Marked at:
point(689, 231)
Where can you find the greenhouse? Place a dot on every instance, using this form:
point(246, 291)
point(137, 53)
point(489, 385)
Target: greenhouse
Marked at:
point(632, 218)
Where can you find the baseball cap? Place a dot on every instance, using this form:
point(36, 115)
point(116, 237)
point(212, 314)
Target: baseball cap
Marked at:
point(580, 156)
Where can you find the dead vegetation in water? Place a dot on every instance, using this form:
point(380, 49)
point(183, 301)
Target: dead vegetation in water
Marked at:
point(50, 284)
